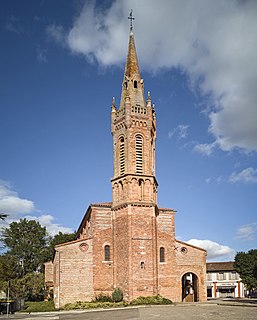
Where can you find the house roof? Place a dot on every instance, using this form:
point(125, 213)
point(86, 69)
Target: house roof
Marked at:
point(102, 204)
point(167, 209)
point(220, 266)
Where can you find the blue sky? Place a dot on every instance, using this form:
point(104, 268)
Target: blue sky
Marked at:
point(61, 62)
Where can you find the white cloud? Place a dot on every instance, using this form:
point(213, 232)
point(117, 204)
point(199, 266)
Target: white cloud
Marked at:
point(57, 33)
point(214, 43)
point(16, 208)
point(11, 203)
point(247, 232)
point(47, 221)
point(248, 175)
point(180, 132)
point(215, 251)
point(205, 148)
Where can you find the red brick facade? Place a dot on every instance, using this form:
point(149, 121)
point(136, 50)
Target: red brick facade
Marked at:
point(129, 243)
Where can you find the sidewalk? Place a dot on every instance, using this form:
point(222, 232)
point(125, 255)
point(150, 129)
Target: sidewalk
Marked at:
point(234, 302)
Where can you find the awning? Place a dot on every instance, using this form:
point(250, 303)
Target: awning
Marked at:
point(225, 287)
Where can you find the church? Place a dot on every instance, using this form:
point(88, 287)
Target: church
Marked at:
point(129, 243)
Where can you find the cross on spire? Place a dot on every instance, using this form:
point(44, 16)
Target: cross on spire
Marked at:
point(131, 18)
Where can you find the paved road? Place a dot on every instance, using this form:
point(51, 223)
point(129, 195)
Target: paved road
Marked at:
point(179, 312)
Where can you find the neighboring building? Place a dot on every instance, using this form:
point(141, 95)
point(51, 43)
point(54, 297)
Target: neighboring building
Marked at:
point(223, 281)
point(130, 242)
point(2, 295)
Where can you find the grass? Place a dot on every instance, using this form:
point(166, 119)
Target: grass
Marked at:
point(41, 306)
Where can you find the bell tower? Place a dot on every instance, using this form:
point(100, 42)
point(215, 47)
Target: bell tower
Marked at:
point(134, 186)
point(134, 135)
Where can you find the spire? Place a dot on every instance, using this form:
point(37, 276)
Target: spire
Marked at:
point(132, 69)
point(133, 85)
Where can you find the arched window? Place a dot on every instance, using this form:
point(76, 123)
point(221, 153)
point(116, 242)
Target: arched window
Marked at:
point(135, 84)
point(141, 189)
point(139, 154)
point(107, 256)
point(162, 254)
point(122, 156)
point(120, 194)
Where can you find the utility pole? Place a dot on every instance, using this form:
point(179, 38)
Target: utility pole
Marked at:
point(8, 299)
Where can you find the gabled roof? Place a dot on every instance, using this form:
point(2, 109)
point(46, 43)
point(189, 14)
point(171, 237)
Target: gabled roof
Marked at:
point(101, 204)
point(190, 245)
point(220, 266)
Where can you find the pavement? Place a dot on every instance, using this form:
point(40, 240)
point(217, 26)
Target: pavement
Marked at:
point(228, 309)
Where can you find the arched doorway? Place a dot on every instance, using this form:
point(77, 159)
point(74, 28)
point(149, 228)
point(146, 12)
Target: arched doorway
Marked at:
point(190, 287)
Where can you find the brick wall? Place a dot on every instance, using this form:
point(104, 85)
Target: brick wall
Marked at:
point(76, 272)
point(193, 260)
point(103, 236)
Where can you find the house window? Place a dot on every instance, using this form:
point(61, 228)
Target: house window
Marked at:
point(107, 256)
point(162, 254)
point(139, 154)
point(221, 276)
point(135, 84)
point(233, 275)
point(209, 276)
point(122, 156)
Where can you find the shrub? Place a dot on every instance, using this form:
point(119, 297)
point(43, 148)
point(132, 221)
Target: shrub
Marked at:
point(93, 305)
point(97, 304)
point(103, 298)
point(150, 300)
point(117, 295)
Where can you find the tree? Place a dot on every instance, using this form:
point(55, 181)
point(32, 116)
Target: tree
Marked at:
point(28, 247)
point(26, 242)
point(9, 268)
point(30, 287)
point(246, 265)
point(60, 238)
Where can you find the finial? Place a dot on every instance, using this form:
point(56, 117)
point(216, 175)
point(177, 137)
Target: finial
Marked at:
point(148, 96)
point(113, 105)
point(131, 18)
